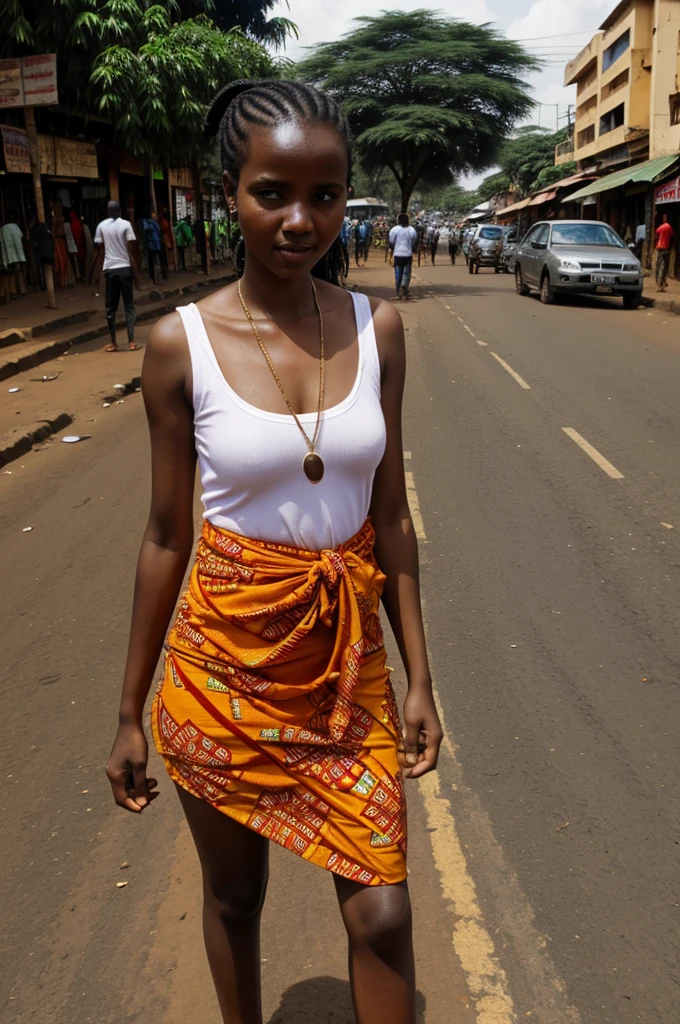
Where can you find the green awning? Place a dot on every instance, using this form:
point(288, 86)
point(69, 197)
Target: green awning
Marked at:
point(650, 170)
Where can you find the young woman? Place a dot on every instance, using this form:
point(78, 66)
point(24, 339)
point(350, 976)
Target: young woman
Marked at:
point(275, 714)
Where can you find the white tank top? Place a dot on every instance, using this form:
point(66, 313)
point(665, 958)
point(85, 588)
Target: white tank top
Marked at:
point(250, 460)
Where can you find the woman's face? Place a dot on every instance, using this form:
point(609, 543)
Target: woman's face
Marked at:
point(291, 195)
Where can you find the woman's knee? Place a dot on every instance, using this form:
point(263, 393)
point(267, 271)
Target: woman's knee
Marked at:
point(381, 920)
point(237, 902)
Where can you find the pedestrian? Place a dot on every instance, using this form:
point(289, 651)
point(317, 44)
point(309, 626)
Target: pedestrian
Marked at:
point(184, 240)
point(402, 239)
point(420, 238)
point(434, 241)
point(345, 232)
point(453, 245)
point(154, 243)
point(275, 716)
point(640, 239)
point(363, 232)
point(664, 240)
point(114, 240)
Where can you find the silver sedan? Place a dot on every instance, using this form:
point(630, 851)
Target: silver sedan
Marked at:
point(577, 257)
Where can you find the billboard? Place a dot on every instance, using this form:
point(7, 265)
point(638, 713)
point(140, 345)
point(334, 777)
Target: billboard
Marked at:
point(28, 81)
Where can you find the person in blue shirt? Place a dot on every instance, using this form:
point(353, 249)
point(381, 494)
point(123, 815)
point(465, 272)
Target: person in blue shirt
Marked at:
point(363, 233)
point(345, 231)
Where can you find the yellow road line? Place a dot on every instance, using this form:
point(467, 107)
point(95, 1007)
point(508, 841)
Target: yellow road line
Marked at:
point(484, 343)
point(414, 506)
point(599, 459)
point(515, 376)
point(466, 328)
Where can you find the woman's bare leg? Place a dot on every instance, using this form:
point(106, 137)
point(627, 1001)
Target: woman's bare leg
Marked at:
point(381, 966)
point(235, 865)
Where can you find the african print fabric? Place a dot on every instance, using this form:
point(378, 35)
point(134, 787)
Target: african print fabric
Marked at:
point(276, 704)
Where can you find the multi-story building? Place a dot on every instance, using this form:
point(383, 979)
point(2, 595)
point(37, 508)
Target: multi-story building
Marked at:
point(627, 123)
point(613, 79)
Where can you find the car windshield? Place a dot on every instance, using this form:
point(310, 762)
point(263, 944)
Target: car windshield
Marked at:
point(585, 234)
point(491, 232)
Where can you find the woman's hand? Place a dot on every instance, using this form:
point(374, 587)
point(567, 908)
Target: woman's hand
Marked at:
point(126, 769)
point(419, 749)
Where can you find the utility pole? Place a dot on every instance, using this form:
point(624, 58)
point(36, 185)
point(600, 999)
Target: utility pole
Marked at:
point(34, 151)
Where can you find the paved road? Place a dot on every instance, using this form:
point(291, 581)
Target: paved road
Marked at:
point(544, 857)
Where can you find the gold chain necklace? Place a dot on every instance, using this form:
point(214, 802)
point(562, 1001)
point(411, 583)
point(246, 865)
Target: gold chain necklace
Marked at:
point(312, 463)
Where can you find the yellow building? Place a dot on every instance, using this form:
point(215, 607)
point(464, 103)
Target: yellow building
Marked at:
point(615, 78)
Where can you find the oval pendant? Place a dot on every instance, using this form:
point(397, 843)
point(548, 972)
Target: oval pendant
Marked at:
point(313, 467)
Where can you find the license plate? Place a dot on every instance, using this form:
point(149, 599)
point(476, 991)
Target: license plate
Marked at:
point(603, 279)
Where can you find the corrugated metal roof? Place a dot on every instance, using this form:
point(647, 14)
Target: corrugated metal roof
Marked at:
point(512, 209)
point(650, 170)
point(543, 197)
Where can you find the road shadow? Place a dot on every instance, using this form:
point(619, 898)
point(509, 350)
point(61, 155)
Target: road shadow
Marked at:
point(592, 303)
point(420, 291)
point(324, 1001)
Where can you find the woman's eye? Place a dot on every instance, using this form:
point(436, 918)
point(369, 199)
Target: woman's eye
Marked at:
point(326, 196)
point(269, 193)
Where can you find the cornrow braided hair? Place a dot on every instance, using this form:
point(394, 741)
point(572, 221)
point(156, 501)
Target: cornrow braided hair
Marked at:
point(243, 106)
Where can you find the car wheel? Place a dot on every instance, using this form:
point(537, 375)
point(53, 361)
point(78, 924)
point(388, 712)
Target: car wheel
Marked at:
point(547, 293)
point(631, 300)
point(520, 286)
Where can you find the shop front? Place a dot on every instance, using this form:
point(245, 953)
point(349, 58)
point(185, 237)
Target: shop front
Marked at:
point(667, 201)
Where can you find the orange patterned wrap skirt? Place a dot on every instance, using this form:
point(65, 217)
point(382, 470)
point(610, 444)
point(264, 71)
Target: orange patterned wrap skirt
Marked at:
point(276, 704)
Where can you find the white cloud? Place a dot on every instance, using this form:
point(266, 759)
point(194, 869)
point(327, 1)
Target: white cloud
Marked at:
point(325, 20)
point(554, 30)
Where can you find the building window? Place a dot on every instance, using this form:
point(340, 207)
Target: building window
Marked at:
point(585, 137)
point(675, 108)
point(616, 83)
point(612, 119)
point(613, 52)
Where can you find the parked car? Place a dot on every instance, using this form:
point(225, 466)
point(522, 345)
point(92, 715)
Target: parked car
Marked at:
point(485, 250)
point(509, 250)
point(583, 257)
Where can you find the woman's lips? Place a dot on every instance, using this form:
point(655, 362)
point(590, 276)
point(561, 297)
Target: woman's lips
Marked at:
point(295, 254)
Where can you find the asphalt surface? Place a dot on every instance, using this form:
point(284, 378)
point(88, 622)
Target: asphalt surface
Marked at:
point(544, 854)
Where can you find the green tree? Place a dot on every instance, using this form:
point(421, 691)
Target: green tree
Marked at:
point(530, 154)
point(492, 185)
point(425, 94)
point(250, 15)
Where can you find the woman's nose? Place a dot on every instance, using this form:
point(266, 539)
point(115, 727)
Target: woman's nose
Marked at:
point(298, 219)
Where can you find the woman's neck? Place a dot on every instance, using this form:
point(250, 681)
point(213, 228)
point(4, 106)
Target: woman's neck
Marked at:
point(271, 297)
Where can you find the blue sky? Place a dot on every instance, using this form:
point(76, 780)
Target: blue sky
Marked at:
point(552, 29)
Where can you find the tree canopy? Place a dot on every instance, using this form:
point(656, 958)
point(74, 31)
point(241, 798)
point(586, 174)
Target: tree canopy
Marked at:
point(140, 62)
point(528, 159)
point(426, 95)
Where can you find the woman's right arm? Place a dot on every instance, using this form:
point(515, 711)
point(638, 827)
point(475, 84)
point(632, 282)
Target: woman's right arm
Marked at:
point(165, 551)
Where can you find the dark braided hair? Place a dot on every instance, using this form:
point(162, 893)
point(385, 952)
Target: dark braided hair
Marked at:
point(242, 107)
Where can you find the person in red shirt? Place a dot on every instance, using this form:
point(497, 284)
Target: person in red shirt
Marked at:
point(664, 239)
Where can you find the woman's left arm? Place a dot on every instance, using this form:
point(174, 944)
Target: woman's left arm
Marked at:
point(396, 552)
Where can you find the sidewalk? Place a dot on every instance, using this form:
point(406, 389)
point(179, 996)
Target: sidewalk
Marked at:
point(668, 300)
point(62, 374)
point(29, 317)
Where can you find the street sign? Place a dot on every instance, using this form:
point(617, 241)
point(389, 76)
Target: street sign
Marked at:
point(39, 75)
point(668, 193)
point(28, 81)
point(11, 85)
point(16, 150)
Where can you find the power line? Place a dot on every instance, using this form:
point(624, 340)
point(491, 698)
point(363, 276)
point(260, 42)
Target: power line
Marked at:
point(560, 35)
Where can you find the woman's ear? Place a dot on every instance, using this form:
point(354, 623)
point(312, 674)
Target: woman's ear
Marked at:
point(230, 188)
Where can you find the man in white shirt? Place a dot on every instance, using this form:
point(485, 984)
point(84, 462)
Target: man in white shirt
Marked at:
point(402, 238)
point(113, 240)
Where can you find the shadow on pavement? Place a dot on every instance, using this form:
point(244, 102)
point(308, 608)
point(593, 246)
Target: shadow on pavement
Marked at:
point(324, 1001)
point(418, 291)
